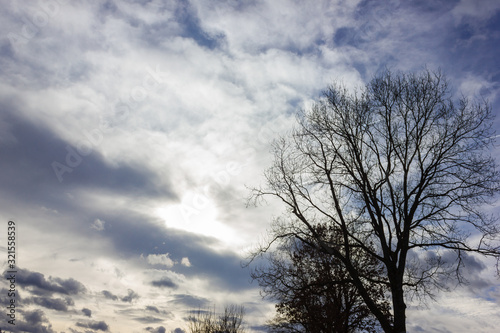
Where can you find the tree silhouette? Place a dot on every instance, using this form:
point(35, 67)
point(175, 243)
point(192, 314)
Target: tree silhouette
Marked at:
point(231, 321)
point(314, 291)
point(400, 170)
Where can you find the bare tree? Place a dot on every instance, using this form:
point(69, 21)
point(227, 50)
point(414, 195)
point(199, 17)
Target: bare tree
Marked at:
point(401, 171)
point(314, 291)
point(208, 321)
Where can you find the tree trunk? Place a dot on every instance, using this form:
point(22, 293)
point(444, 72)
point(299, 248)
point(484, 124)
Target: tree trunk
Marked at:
point(399, 305)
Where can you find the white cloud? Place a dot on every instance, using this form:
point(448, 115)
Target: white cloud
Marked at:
point(185, 262)
point(161, 259)
point(98, 225)
point(456, 312)
point(479, 9)
point(275, 24)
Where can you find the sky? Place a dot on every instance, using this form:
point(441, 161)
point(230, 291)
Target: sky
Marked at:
point(131, 132)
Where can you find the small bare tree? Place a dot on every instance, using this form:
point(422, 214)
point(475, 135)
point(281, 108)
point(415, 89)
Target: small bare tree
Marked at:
point(400, 170)
point(208, 321)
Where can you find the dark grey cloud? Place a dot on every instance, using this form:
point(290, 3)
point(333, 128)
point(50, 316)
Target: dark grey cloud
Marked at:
point(33, 321)
point(148, 237)
point(87, 312)
point(70, 286)
point(109, 295)
point(177, 330)
point(455, 268)
point(164, 282)
point(152, 308)
point(42, 286)
point(139, 315)
point(472, 264)
point(94, 325)
point(190, 301)
point(160, 329)
point(38, 156)
point(34, 317)
point(5, 298)
point(472, 269)
point(131, 296)
point(57, 304)
point(148, 319)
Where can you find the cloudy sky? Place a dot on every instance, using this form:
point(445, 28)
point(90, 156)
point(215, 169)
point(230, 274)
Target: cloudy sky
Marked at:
point(130, 131)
